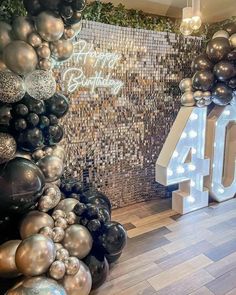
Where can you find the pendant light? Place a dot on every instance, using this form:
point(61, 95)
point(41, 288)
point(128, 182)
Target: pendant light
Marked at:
point(196, 18)
point(185, 27)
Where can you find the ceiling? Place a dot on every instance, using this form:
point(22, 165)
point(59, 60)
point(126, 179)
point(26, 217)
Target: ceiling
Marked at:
point(212, 10)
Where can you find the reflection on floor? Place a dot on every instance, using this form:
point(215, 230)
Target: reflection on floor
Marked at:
point(176, 255)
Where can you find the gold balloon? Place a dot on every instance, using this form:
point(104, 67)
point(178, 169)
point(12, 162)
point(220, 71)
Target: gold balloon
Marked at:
point(5, 35)
point(69, 33)
point(185, 84)
point(44, 51)
point(197, 95)
point(61, 222)
point(232, 40)
point(34, 40)
point(45, 64)
point(35, 255)
point(22, 27)
point(72, 266)
point(187, 99)
point(62, 254)
point(58, 234)
point(67, 205)
point(39, 286)
point(221, 33)
point(46, 231)
point(8, 267)
point(7, 146)
point(49, 26)
point(57, 270)
point(20, 57)
point(33, 222)
point(62, 49)
point(78, 241)
point(80, 283)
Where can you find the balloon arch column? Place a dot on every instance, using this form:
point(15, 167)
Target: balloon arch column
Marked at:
point(57, 235)
point(198, 151)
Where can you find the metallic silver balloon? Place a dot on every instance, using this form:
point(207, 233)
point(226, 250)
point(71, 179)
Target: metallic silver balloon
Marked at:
point(71, 218)
point(40, 84)
point(58, 234)
point(5, 35)
point(61, 222)
point(221, 33)
point(186, 85)
point(62, 254)
point(37, 155)
point(7, 147)
point(11, 87)
point(201, 103)
point(232, 40)
point(187, 99)
point(208, 101)
point(57, 270)
point(22, 27)
point(46, 231)
point(23, 154)
point(197, 95)
point(58, 246)
point(8, 267)
point(20, 57)
point(62, 49)
point(49, 26)
point(50, 199)
point(34, 40)
point(44, 51)
point(72, 266)
point(46, 203)
point(33, 222)
point(35, 255)
point(78, 241)
point(206, 95)
point(48, 150)
point(67, 205)
point(80, 283)
point(45, 64)
point(39, 286)
point(52, 168)
point(59, 152)
point(57, 213)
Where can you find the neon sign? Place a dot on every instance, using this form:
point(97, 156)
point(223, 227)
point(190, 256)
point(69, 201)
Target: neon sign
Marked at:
point(101, 64)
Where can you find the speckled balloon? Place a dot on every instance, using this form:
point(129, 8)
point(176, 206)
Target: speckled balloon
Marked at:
point(11, 87)
point(7, 147)
point(40, 84)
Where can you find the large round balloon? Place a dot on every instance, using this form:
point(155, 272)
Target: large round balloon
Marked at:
point(222, 94)
point(33, 222)
point(40, 84)
point(224, 70)
point(31, 139)
point(113, 238)
point(35, 255)
point(21, 184)
point(5, 35)
point(49, 26)
point(33, 6)
point(20, 57)
point(7, 147)
point(22, 27)
point(39, 286)
point(11, 87)
point(97, 198)
point(78, 241)
point(203, 80)
point(57, 105)
point(8, 267)
point(98, 267)
point(81, 283)
point(52, 168)
point(218, 48)
point(201, 63)
point(62, 49)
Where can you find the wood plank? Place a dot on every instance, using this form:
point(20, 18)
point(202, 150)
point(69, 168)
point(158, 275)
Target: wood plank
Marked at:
point(202, 291)
point(221, 251)
point(143, 288)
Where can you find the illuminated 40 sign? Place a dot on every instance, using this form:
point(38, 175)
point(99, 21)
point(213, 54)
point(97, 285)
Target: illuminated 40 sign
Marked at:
point(199, 154)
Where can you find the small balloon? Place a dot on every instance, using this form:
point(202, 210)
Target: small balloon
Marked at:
point(231, 28)
point(185, 85)
point(187, 99)
point(197, 95)
point(232, 56)
point(52, 167)
point(79, 5)
point(62, 254)
point(232, 40)
point(76, 18)
point(67, 205)
point(58, 105)
point(34, 40)
point(201, 103)
point(31, 139)
point(62, 49)
point(44, 51)
point(7, 147)
point(11, 87)
point(8, 267)
point(45, 64)
point(222, 94)
point(58, 234)
point(66, 11)
point(57, 270)
point(47, 232)
point(57, 213)
point(5, 35)
point(61, 222)
point(232, 83)
point(69, 33)
point(34, 105)
point(224, 70)
point(72, 266)
point(22, 27)
point(221, 33)
point(77, 27)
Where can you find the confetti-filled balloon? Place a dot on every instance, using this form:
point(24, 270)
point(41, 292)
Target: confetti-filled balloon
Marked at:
point(7, 147)
point(11, 87)
point(40, 84)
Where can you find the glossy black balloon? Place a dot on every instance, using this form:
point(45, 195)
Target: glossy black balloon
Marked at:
point(79, 5)
point(44, 122)
point(91, 211)
point(32, 6)
point(31, 139)
point(97, 198)
point(203, 80)
point(231, 28)
point(20, 110)
point(76, 18)
point(222, 94)
point(21, 184)
point(98, 267)
point(104, 215)
point(54, 134)
point(50, 4)
point(94, 225)
point(66, 11)
point(113, 238)
point(201, 63)
point(232, 56)
point(232, 83)
point(218, 48)
point(53, 120)
point(5, 115)
point(80, 209)
point(224, 70)
point(113, 258)
point(32, 119)
point(57, 105)
point(20, 124)
point(34, 105)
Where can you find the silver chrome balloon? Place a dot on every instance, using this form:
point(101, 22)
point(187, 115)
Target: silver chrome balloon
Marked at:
point(62, 254)
point(67, 205)
point(49, 26)
point(197, 95)
point(45, 203)
point(78, 241)
point(7, 147)
point(22, 27)
point(69, 33)
point(71, 218)
point(59, 152)
point(52, 168)
point(34, 40)
point(58, 213)
point(72, 265)
point(20, 57)
point(58, 234)
point(201, 103)
point(187, 99)
point(221, 33)
point(8, 267)
point(12, 87)
point(35, 255)
point(186, 85)
point(45, 64)
point(5, 35)
point(46, 231)
point(80, 283)
point(37, 155)
point(57, 270)
point(62, 49)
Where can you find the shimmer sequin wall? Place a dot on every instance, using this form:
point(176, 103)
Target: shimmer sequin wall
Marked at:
point(113, 140)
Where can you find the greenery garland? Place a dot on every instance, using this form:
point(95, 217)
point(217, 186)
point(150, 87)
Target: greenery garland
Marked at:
point(120, 16)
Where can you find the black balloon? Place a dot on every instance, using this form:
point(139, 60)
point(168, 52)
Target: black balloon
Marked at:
point(97, 198)
point(113, 238)
point(79, 5)
point(98, 267)
point(31, 139)
point(21, 184)
point(222, 94)
point(232, 56)
point(57, 105)
point(91, 211)
point(20, 124)
point(44, 122)
point(203, 80)
point(76, 17)
point(224, 70)
point(32, 119)
point(34, 105)
point(80, 209)
point(20, 110)
point(33, 6)
point(54, 134)
point(66, 11)
point(232, 83)
point(53, 120)
point(231, 28)
point(5, 116)
point(113, 258)
point(50, 4)
point(94, 225)
point(104, 215)
point(218, 48)
point(201, 63)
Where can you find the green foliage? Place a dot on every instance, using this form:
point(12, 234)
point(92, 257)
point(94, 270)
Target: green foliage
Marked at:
point(10, 9)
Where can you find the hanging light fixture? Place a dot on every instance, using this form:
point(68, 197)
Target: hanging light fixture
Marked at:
point(196, 18)
point(185, 27)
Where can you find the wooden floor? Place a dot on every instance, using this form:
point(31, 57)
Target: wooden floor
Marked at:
point(171, 254)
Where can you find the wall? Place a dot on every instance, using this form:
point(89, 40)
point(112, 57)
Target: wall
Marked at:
point(113, 141)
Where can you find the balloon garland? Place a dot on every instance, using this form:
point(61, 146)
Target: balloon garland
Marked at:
point(65, 239)
point(214, 79)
